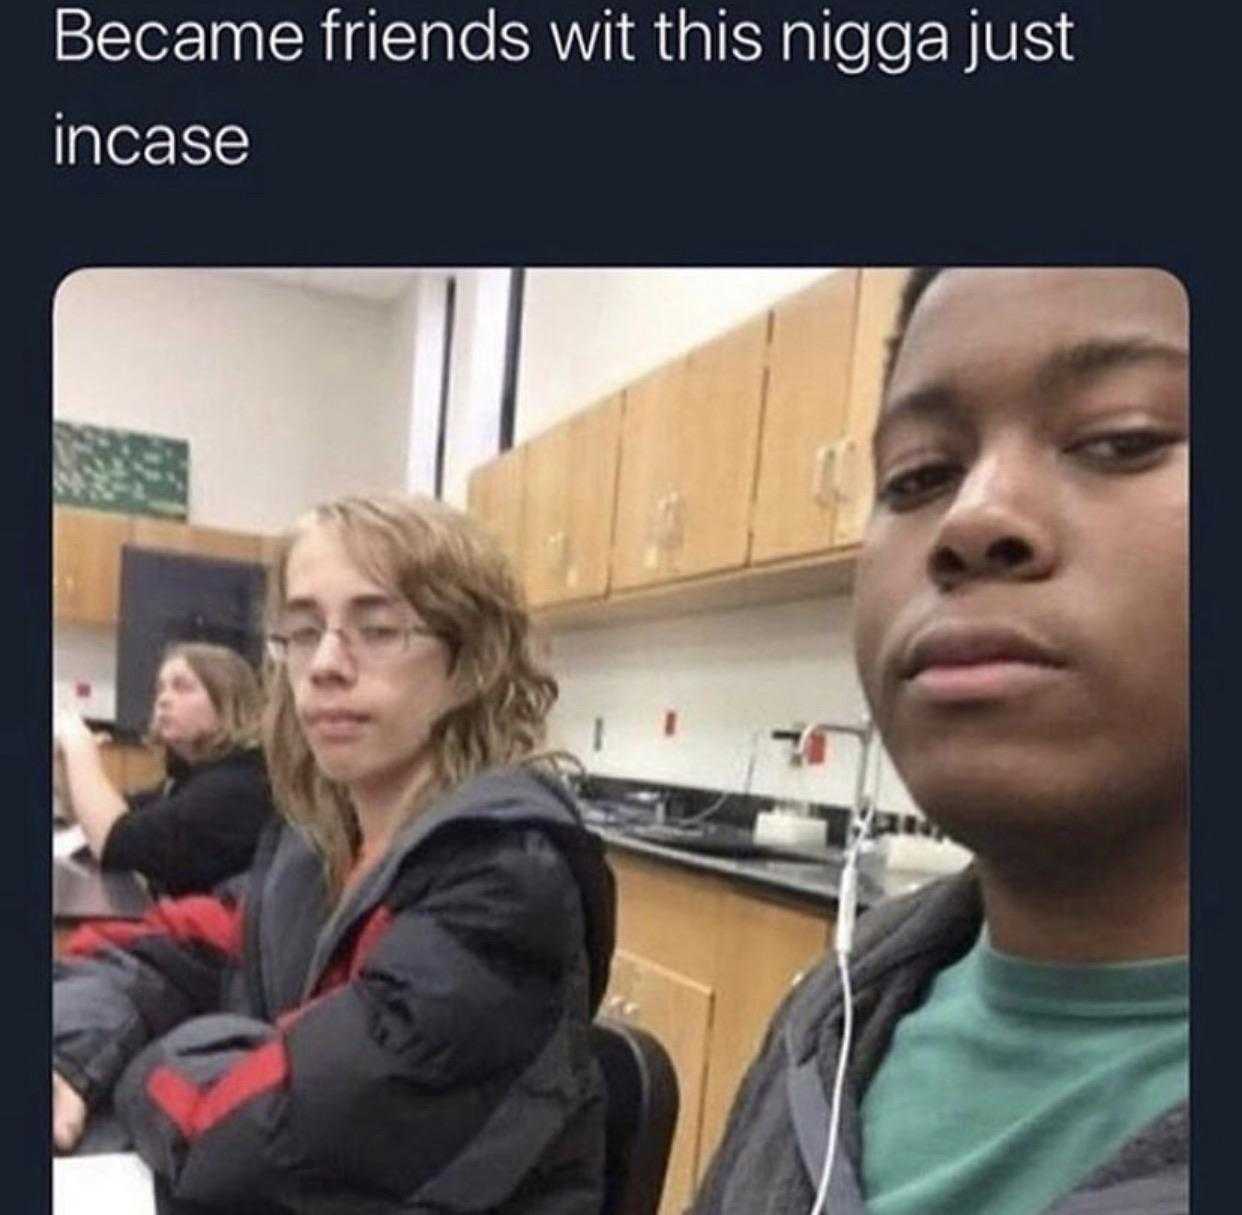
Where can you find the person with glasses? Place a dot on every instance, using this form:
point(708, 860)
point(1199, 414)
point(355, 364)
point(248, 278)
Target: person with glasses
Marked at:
point(391, 1010)
point(200, 825)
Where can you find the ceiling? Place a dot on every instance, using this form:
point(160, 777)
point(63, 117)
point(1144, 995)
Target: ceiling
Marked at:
point(378, 284)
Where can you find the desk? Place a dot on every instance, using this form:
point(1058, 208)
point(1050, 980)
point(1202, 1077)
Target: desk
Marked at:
point(113, 1183)
point(83, 891)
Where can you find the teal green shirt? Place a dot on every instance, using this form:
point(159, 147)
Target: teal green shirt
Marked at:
point(1015, 1079)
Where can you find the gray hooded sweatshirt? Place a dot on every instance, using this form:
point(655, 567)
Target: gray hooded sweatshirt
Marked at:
point(772, 1154)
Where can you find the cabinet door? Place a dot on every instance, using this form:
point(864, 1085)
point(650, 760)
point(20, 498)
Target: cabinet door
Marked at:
point(229, 545)
point(494, 497)
point(545, 500)
point(762, 946)
point(716, 446)
point(162, 533)
point(804, 419)
point(568, 505)
point(594, 454)
point(86, 564)
point(643, 535)
point(131, 768)
point(879, 296)
point(143, 769)
point(112, 760)
point(678, 1011)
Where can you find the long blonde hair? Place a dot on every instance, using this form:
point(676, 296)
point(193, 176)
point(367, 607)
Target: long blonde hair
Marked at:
point(233, 688)
point(456, 578)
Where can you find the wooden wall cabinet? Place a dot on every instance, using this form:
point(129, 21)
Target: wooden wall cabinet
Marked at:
point(647, 480)
point(568, 500)
point(805, 420)
point(743, 470)
point(494, 497)
point(688, 449)
point(86, 556)
point(879, 298)
point(201, 541)
point(86, 564)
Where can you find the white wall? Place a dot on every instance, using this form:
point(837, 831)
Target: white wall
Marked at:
point(287, 396)
point(726, 674)
point(586, 333)
point(422, 314)
point(731, 678)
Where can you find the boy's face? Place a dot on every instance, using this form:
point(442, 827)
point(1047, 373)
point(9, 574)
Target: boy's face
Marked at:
point(1021, 607)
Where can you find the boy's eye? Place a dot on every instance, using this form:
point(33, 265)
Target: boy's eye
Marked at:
point(1124, 449)
point(304, 635)
point(911, 487)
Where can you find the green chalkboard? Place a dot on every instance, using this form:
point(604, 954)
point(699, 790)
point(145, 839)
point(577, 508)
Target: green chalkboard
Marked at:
point(120, 470)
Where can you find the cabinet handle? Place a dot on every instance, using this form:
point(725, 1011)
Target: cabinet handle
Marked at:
point(629, 1009)
point(844, 477)
point(673, 520)
point(656, 527)
point(823, 473)
point(557, 551)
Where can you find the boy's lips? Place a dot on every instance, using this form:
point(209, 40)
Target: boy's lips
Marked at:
point(953, 661)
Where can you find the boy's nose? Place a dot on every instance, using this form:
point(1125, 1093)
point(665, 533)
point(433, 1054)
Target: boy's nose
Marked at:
point(999, 524)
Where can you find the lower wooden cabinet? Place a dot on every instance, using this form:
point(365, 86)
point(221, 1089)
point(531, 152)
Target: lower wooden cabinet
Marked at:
point(131, 768)
point(678, 1011)
point(703, 962)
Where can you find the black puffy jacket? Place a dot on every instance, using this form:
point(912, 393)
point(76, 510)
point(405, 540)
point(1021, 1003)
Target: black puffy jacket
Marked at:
point(422, 1048)
point(199, 827)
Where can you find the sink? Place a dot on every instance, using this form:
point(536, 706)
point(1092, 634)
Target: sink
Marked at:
point(713, 839)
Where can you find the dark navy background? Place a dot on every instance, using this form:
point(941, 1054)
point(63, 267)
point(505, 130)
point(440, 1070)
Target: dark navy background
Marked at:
point(1112, 159)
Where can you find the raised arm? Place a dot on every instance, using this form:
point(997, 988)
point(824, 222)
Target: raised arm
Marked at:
point(93, 799)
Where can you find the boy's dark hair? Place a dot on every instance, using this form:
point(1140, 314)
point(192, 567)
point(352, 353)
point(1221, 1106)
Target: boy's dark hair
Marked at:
point(920, 279)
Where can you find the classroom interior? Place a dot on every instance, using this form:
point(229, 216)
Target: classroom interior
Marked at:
point(676, 461)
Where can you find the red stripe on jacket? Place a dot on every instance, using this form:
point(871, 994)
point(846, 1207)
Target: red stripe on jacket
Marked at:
point(196, 1110)
point(347, 966)
point(196, 919)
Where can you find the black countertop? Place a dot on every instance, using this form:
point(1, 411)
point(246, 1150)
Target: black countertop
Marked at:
point(816, 881)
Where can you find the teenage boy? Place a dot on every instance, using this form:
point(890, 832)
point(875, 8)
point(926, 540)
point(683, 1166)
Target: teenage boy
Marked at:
point(1020, 1032)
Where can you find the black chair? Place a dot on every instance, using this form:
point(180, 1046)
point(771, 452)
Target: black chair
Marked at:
point(642, 1112)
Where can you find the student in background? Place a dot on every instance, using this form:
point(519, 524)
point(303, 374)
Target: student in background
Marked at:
point(201, 824)
point(392, 1009)
point(1020, 1035)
